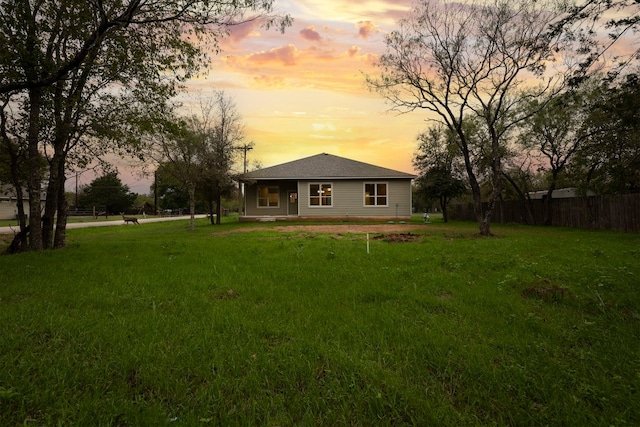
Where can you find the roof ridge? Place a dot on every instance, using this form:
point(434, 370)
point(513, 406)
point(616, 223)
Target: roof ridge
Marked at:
point(325, 165)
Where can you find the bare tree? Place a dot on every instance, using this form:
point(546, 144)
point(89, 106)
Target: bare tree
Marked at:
point(226, 133)
point(199, 151)
point(594, 28)
point(461, 60)
point(179, 147)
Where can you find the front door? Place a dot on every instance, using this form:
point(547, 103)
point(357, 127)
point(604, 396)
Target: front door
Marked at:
point(292, 205)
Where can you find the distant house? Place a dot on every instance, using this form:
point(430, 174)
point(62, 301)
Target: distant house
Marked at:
point(560, 193)
point(9, 205)
point(8, 208)
point(327, 187)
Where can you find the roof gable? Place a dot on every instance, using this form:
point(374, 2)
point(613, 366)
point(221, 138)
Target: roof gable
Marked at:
point(326, 166)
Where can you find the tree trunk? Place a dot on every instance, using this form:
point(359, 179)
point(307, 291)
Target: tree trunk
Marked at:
point(55, 189)
point(211, 213)
point(485, 223)
point(60, 237)
point(483, 227)
point(51, 203)
point(34, 178)
point(443, 208)
point(192, 206)
point(483, 220)
point(218, 208)
point(17, 185)
point(548, 205)
point(475, 187)
point(20, 240)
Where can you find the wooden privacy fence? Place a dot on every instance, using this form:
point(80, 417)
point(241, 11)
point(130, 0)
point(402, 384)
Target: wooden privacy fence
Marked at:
point(620, 212)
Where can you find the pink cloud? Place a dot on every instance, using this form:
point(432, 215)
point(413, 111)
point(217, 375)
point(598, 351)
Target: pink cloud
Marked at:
point(237, 33)
point(353, 51)
point(366, 29)
point(310, 34)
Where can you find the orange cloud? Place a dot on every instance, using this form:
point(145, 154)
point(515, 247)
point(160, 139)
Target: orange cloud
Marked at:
point(270, 82)
point(337, 68)
point(310, 34)
point(285, 55)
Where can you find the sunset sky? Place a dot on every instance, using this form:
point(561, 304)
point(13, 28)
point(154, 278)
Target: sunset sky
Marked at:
point(302, 92)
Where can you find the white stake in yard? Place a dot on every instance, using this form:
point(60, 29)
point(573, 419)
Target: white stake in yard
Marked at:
point(367, 242)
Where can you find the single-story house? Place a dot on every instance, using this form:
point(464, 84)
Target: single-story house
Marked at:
point(325, 186)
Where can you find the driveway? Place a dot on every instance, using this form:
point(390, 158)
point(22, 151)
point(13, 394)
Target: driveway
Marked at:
point(10, 230)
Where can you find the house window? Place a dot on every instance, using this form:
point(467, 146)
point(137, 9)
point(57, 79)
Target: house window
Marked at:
point(268, 196)
point(375, 194)
point(320, 194)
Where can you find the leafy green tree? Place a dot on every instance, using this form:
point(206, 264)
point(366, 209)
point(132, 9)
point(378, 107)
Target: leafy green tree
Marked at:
point(70, 71)
point(109, 193)
point(437, 160)
point(170, 192)
point(609, 160)
point(554, 134)
point(180, 148)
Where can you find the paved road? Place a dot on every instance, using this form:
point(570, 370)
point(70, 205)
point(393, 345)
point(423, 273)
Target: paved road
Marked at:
point(8, 230)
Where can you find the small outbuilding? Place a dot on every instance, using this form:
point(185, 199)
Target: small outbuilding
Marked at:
point(325, 186)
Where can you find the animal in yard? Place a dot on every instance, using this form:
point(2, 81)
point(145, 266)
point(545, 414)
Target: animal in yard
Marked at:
point(128, 219)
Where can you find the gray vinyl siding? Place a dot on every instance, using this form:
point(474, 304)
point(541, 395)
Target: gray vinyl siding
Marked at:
point(348, 199)
point(7, 209)
point(252, 208)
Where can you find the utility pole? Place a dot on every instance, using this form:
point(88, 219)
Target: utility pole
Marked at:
point(244, 148)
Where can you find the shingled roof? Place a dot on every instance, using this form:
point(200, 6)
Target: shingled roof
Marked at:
point(325, 166)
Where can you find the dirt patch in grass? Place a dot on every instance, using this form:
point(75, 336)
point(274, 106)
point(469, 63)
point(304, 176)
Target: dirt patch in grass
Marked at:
point(547, 292)
point(222, 294)
point(335, 228)
point(397, 237)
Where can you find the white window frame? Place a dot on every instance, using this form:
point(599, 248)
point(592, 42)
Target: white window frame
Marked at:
point(320, 205)
point(258, 196)
point(375, 195)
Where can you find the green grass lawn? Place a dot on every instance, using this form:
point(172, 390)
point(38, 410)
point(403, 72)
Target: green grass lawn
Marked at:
point(156, 325)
